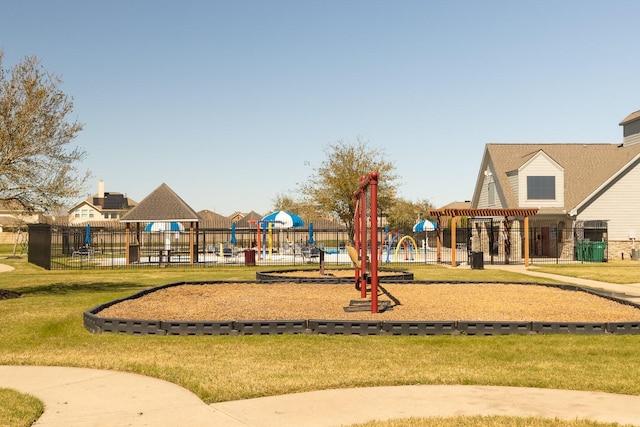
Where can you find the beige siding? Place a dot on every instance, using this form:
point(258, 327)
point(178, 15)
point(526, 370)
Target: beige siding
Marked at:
point(620, 205)
point(483, 200)
point(632, 139)
point(540, 165)
point(513, 182)
point(84, 213)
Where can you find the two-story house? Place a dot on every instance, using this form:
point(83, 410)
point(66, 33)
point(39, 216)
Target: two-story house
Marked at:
point(102, 206)
point(584, 192)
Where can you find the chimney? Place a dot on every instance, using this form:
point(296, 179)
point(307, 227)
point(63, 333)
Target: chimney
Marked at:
point(101, 189)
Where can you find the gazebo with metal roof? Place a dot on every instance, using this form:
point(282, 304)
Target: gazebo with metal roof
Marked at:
point(161, 205)
point(524, 213)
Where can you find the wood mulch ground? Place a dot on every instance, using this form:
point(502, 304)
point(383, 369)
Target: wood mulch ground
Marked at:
point(291, 301)
point(339, 273)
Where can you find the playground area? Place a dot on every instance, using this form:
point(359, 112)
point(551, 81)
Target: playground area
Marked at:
point(507, 307)
point(410, 301)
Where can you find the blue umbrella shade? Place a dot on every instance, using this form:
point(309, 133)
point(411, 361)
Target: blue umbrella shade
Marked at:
point(87, 235)
point(164, 226)
point(425, 225)
point(311, 241)
point(284, 219)
point(233, 233)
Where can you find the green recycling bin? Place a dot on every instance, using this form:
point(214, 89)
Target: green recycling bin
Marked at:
point(597, 251)
point(583, 251)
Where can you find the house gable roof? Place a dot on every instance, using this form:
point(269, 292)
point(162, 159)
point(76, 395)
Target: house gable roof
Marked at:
point(630, 118)
point(83, 203)
point(539, 154)
point(162, 204)
point(586, 167)
point(604, 186)
point(245, 222)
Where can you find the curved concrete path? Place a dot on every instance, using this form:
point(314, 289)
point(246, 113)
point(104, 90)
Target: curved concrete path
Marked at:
point(4, 268)
point(90, 397)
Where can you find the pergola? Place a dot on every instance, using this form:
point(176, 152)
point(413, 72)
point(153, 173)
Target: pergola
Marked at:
point(480, 213)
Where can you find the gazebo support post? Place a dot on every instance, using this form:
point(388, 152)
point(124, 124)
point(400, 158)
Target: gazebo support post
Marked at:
point(127, 241)
point(526, 241)
point(454, 220)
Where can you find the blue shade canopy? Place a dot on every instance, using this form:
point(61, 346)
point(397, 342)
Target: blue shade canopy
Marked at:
point(284, 219)
point(311, 241)
point(87, 235)
point(233, 239)
point(425, 225)
point(164, 226)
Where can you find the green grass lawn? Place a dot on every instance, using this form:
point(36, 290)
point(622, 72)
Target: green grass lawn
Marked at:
point(622, 272)
point(18, 409)
point(45, 327)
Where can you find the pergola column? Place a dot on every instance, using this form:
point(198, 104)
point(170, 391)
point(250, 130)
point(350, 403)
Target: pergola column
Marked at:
point(454, 246)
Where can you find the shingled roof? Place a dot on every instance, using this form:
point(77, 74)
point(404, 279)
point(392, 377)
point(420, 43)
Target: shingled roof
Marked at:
point(586, 166)
point(162, 204)
point(630, 118)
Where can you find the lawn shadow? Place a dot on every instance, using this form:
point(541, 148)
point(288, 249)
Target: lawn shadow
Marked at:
point(68, 288)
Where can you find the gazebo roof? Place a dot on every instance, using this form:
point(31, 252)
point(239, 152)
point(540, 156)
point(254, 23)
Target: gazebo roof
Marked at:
point(162, 204)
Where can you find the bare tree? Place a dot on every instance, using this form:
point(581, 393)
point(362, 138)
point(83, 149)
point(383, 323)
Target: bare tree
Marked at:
point(332, 185)
point(37, 168)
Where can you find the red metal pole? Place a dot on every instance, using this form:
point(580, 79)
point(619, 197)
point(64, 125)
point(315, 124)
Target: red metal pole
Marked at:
point(363, 238)
point(373, 182)
point(356, 231)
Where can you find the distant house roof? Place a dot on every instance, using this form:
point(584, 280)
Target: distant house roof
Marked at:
point(162, 204)
point(210, 219)
point(324, 223)
point(457, 205)
point(630, 118)
point(246, 220)
point(586, 166)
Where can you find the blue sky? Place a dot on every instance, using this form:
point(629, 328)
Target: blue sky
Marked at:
point(231, 103)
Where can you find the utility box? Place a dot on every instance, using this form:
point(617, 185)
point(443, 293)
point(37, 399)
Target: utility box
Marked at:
point(635, 254)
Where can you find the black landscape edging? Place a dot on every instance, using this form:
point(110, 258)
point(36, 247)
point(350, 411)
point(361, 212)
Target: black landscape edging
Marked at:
point(97, 324)
point(270, 276)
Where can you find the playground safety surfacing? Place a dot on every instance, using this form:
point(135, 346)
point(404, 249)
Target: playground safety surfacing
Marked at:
point(95, 323)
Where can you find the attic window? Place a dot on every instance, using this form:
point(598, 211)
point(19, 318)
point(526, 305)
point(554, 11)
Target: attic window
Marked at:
point(541, 187)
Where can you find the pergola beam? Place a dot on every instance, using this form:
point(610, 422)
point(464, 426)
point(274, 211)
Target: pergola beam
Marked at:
point(479, 213)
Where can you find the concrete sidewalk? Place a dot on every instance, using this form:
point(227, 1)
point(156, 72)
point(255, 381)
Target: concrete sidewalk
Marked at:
point(630, 292)
point(90, 397)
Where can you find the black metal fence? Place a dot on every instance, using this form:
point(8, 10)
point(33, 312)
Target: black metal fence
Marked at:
point(490, 241)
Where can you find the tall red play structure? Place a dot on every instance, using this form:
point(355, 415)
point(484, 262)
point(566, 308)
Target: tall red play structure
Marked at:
point(366, 236)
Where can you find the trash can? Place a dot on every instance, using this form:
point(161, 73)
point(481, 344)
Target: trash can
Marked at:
point(584, 251)
point(635, 254)
point(249, 257)
point(597, 251)
point(134, 253)
point(477, 260)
